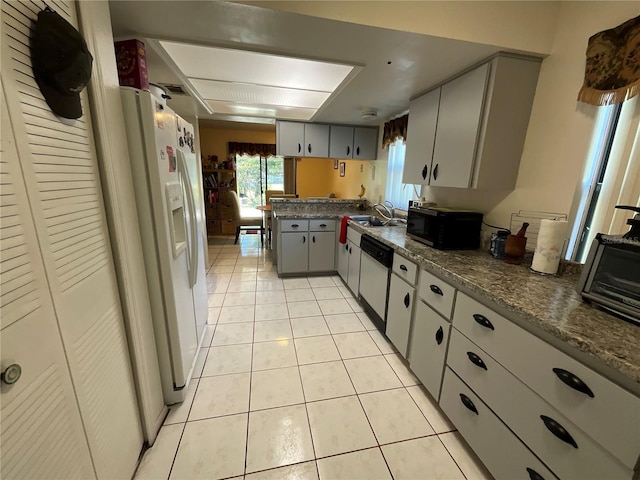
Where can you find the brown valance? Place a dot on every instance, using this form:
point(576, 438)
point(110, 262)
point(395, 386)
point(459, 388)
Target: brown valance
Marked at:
point(612, 73)
point(395, 129)
point(262, 149)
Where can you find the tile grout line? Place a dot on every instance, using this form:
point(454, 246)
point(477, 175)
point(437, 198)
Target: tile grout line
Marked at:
point(246, 445)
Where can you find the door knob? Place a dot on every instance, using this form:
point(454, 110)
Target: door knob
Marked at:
point(11, 374)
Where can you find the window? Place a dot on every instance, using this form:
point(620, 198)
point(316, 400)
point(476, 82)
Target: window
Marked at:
point(397, 192)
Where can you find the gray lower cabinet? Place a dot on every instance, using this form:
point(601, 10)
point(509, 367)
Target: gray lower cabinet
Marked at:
point(499, 449)
point(400, 306)
point(343, 260)
point(294, 248)
point(322, 251)
point(428, 348)
point(354, 268)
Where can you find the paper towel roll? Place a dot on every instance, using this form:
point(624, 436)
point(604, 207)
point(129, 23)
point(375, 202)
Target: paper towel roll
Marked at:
point(549, 247)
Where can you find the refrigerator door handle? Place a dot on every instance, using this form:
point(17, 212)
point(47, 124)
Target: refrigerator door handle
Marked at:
point(193, 248)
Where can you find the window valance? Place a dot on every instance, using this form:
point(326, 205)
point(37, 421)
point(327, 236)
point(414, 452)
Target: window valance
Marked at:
point(612, 73)
point(262, 149)
point(395, 129)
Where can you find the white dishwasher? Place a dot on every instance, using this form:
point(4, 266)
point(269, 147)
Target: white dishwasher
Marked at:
point(375, 267)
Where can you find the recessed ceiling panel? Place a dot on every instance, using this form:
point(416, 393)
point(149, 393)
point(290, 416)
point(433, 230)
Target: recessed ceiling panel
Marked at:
point(231, 65)
point(258, 94)
point(254, 110)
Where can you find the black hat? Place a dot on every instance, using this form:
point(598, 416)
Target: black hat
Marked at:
point(61, 63)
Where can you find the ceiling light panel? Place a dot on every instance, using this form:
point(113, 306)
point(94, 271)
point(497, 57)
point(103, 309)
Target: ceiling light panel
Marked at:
point(230, 65)
point(270, 111)
point(258, 94)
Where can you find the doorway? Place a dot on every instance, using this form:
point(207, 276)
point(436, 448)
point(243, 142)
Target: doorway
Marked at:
point(257, 174)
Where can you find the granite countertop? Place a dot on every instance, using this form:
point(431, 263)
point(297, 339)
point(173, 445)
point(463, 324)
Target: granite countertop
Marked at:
point(549, 303)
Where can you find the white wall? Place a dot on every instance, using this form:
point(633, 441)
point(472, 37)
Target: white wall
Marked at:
point(559, 129)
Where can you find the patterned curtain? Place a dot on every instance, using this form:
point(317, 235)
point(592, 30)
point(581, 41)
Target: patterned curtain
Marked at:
point(395, 129)
point(251, 149)
point(612, 73)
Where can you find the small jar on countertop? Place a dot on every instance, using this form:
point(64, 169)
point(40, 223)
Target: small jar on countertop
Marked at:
point(498, 241)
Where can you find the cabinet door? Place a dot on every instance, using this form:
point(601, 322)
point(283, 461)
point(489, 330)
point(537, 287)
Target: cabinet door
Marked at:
point(421, 137)
point(343, 261)
point(316, 140)
point(354, 268)
point(459, 119)
point(290, 139)
point(322, 251)
point(429, 347)
point(294, 249)
point(401, 297)
point(365, 143)
point(341, 142)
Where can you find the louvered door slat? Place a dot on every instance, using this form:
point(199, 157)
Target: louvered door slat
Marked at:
point(62, 178)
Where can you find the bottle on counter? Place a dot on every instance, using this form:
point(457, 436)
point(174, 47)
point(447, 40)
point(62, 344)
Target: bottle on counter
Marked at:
point(498, 241)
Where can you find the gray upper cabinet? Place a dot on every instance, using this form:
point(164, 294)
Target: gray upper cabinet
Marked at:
point(316, 140)
point(459, 119)
point(290, 139)
point(479, 129)
point(421, 137)
point(365, 143)
point(341, 142)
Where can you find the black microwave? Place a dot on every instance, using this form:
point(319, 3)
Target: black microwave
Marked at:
point(611, 276)
point(444, 228)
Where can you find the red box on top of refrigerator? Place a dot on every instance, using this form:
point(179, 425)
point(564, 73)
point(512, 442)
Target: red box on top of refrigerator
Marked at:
point(131, 59)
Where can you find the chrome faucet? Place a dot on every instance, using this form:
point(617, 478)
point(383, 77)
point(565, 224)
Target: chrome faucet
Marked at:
point(388, 208)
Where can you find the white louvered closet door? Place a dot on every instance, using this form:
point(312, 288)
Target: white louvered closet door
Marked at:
point(41, 431)
point(62, 181)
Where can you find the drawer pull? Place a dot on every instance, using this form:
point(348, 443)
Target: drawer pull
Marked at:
point(313, 239)
point(436, 289)
point(439, 335)
point(533, 475)
point(403, 268)
point(304, 239)
point(11, 374)
point(476, 360)
point(346, 247)
point(407, 300)
point(558, 430)
point(323, 225)
point(466, 401)
point(484, 321)
point(573, 381)
point(294, 225)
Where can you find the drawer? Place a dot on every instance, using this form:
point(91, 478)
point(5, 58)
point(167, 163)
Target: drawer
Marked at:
point(353, 236)
point(429, 341)
point(499, 449)
point(322, 225)
point(437, 293)
point(227, 213)
point(606, 412)
point(522, 410)
point(405, 269)
point(294, 225)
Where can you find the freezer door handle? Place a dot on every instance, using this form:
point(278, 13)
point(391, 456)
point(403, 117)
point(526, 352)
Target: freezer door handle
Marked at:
point(193, 248)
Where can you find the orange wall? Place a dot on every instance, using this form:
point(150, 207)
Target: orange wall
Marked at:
point(317, 177)
point(213, 141)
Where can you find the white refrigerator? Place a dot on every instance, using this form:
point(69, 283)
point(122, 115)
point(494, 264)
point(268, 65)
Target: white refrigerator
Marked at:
point(169, 199)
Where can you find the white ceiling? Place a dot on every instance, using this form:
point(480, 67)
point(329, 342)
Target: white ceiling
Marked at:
point(416, 61)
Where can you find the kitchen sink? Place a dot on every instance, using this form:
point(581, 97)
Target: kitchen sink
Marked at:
point(368, 221)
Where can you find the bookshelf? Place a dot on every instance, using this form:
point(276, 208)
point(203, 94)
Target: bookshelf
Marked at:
point(218, 182)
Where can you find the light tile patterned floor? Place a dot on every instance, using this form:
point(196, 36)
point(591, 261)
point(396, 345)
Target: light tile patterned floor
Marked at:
point(294, 382)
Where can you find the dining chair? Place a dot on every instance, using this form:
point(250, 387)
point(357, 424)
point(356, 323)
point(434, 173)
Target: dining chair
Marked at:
point(245, 222)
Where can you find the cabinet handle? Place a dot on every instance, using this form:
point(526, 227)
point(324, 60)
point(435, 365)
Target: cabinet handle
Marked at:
point(309, 148)
point(436, 289)
point(348, 150)
point(466, 401)
point(573, 381)
point(425, 171)
point(403, 268)
point(476, 360)
point(439, 335)
point(11, 374)
point(304, 239)
point(346, 247)
point(407, 300)
point(558, 430)
point(314, 239)
point(358, 151)
point(323, 225)
point(533, 475)
point(295, 225)
point(435, 172)
point(484, 321)
point(350, 250)
point(299, 147)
